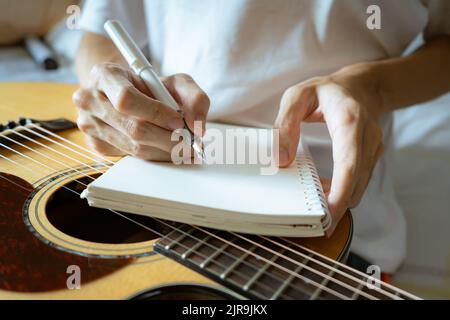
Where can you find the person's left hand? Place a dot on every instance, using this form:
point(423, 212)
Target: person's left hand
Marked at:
point(350, 107)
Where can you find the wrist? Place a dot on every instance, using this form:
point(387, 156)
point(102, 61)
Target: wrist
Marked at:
point(362, 82)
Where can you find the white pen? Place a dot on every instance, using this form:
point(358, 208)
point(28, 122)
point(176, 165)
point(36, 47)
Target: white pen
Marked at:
point(142, 67)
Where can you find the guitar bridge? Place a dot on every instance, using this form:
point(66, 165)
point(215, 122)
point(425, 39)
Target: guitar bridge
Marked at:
point(22, 124)
point(54, 125)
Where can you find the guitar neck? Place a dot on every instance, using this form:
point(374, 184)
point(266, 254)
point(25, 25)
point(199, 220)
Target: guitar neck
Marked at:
point(259, 267)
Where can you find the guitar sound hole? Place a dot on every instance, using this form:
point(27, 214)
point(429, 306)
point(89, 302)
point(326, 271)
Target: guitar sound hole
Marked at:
point(184, 292)
point(73, 216)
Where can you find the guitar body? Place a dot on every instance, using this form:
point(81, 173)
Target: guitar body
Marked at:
point(49, 236)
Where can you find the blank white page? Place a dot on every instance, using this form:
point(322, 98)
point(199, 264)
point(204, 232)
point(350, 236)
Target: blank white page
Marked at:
point(237, 188)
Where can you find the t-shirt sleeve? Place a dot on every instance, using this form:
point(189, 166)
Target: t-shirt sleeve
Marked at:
point(130, 13)
point(438, 18)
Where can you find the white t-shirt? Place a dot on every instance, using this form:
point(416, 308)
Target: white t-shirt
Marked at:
point(246, 53)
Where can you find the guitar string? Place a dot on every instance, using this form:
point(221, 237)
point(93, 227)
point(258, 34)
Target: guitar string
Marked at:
point(61, 138)
point(160, 234)
point(344, 266)
point(325, 276)
point(321, 274)
point(286, 258)
point(271, 241)
point(61, 145)
point(48, 148)
point(103, 158)
point(29, 158)
point(154, 231)
point(12, 140)
point(179, 230)
point(77, 193)
point(367, 277)
point(345, 285)
point(57, 152)
point(265, 248)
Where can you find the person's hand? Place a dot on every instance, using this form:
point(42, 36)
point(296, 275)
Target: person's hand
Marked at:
point(350, 107)
point(119, 115)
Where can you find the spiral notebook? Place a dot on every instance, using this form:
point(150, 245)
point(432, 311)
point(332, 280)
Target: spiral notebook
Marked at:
point(233, 197)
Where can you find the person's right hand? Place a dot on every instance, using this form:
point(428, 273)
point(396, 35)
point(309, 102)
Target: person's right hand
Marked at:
point(119, 115)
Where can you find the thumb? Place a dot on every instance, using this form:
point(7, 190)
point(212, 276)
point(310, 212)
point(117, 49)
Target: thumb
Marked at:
point(295, 106)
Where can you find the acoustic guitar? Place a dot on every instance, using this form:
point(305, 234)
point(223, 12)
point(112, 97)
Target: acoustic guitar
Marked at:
point(54, 246)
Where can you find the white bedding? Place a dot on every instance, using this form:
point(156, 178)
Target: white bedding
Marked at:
point(17, 65)
point(422, 184)
point(422, 177)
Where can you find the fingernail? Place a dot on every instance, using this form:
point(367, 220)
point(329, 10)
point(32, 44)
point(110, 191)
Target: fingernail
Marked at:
point(199, 125)
point(175, 123)
point(284, 156)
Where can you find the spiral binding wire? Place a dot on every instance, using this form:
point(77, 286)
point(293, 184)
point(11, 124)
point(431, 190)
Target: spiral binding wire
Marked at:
point(311, 185)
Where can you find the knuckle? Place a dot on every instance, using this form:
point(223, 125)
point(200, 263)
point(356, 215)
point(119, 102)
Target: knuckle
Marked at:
point(82, 98)
point(124, 97)
point(201, 99)
point(292, 92)
point(84, 125)
point(156, 113)
point(98, 146)
point(101, 71)
point(111, 66)
point(134, 149)
point(349, 168)
point(350, 116)
point(104, 68)
point(381, 150)
point(138, 150)
point(378, 134)
point(354, 202)
point(135, 129)
point(98, 70)
point(183, 76)
point(290, 96)
point(297, 93)
point(298, 89)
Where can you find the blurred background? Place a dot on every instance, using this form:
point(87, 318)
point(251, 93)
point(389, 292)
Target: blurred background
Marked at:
point(422, 137)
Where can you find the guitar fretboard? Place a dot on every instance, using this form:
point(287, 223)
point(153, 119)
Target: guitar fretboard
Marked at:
point(269, 268)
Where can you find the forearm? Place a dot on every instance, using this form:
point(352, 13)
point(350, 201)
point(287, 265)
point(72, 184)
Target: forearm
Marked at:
point(417, 78)
point(400, 82)
point(94, 49)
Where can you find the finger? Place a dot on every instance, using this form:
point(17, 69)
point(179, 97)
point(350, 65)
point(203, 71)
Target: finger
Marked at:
point(138, 130)
point(326, 185)
point(192, 99)
point(152, 154)
point(372, 150)
point(346, 143)
point(119, 87)
point(144, 133)
point(102, 147)
point(92, 103)
point(100, 131)
point(295, 105)
point(84, 100)
point(104, 132)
